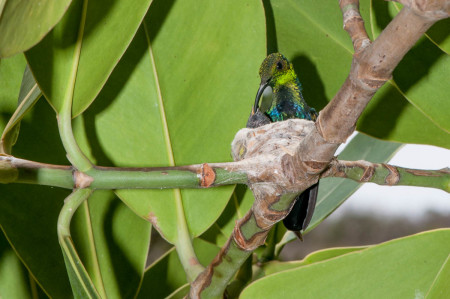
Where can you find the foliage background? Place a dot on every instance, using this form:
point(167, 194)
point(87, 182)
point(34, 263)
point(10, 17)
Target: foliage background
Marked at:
point(174, 90)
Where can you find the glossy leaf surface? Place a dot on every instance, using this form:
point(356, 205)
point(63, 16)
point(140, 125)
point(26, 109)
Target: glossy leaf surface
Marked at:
point(404, 268)
point(24, 23)
point(82, 50)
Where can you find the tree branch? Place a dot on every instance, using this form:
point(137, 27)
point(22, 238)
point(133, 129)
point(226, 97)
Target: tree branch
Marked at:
point(385, 174)
point(15, 170)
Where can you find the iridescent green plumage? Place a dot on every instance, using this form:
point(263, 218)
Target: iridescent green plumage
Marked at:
point(287, 102)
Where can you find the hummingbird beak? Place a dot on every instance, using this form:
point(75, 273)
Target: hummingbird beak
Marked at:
point(262, 86)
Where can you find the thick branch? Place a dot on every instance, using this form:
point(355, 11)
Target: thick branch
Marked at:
point(385, 174)
point(373, 66)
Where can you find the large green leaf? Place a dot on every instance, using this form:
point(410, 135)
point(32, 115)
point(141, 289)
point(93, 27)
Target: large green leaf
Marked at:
point(402, 268)
point(11, 72)
point(214, 50)
point(78, 55)
point(165, 103)
point(318, 256)
point(411, 108)
point(28, 216)
point(24, 23)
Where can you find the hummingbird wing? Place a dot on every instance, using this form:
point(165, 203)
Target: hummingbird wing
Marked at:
point(257, 119)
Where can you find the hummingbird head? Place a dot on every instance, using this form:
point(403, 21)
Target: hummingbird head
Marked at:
point(275, 70)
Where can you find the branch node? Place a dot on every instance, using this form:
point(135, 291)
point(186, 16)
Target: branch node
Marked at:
point(207, 175)
point(82, 180)
point(354, 24)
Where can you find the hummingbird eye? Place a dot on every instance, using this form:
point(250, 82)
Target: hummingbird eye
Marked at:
point(279, 65)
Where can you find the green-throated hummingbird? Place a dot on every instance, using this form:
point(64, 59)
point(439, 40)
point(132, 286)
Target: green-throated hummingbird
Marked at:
point(287, 102)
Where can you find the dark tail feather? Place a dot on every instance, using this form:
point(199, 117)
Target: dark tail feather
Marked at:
point(299, 217)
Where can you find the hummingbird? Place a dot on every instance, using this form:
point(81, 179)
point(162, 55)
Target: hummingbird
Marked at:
point(287, 102)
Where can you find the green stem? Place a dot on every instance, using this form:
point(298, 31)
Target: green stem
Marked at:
point(74, 153)
point(160, 177)
point(15, 170)
point(183, 244)
point(80, 281)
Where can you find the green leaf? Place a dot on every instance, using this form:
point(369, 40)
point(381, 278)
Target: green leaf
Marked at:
point(438, 34)
point(103, 30)
point(334, 191)
point(24, 23)
point(318, 256)
point(112, 243)
point(180, 293)
point(411, 108)
point(11, 72)
point(402, 268)
point(439, 288)
point(29, 94)
point(424, 87)
point(165, 276)
point(166, 103)
point(14, 280)
point(33, 233)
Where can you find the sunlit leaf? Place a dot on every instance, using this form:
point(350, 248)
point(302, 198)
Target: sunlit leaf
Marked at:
point(402, 268)
point(103, 29)
point(24, 23)
point(439, 288)
point(318, 256)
